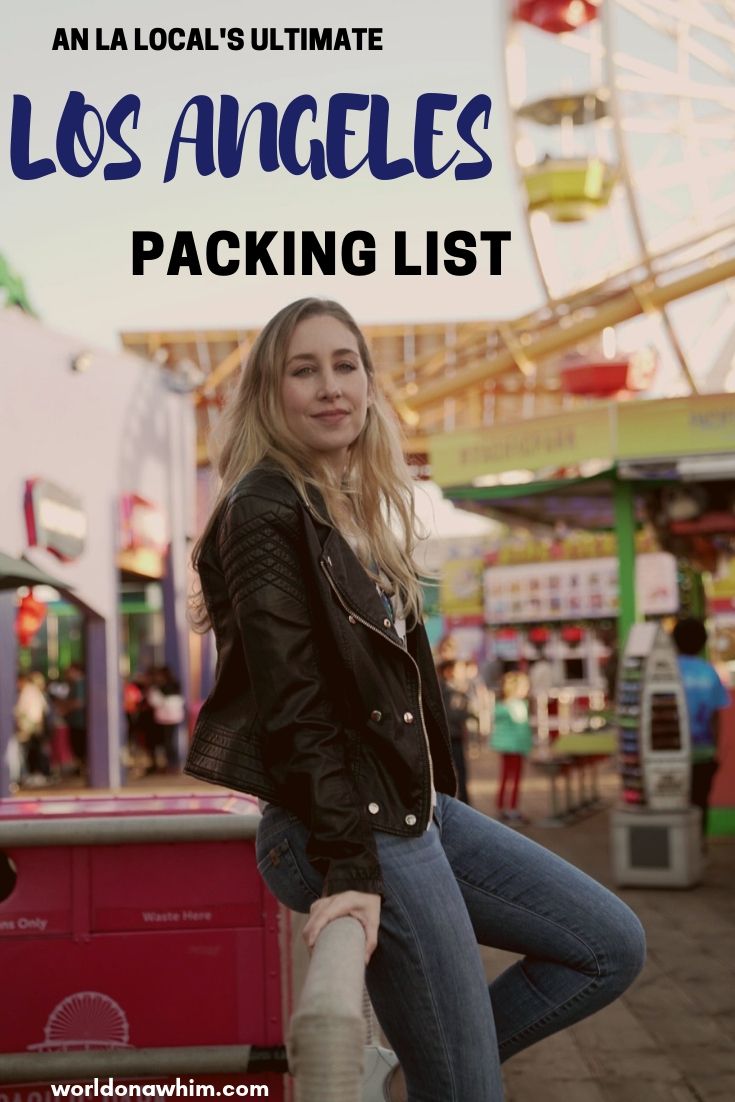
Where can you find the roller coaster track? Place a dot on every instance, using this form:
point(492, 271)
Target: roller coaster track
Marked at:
point(475, 354)
point(484, 350)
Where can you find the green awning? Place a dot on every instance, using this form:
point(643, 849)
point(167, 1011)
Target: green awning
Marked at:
point(16, 572)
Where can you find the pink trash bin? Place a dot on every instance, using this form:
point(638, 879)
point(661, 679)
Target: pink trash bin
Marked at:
point(138, 923)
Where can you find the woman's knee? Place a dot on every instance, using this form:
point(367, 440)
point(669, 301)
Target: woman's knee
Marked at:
point(636, 957)
point(626, 947)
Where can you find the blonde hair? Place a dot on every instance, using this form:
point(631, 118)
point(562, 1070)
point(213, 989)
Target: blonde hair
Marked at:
point(377, 479)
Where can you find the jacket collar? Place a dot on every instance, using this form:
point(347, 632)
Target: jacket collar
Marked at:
point(351, 579)
point(340, 562)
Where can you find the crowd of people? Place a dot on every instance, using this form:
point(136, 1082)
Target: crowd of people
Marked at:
point(50, 728)
point(484, 708)
point(51, 717)
point(155, 711)
point(51, 725)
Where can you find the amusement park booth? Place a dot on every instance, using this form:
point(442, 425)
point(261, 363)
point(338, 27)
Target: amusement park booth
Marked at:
point(92, 441)
point(614, 467)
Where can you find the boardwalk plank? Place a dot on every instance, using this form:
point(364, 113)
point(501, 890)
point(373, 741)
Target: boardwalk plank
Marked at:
point(633, 1090)
point(671, 1038)
point(713, 1088)
point(616, 1044)
point(556, 1058)
point(525, 1087)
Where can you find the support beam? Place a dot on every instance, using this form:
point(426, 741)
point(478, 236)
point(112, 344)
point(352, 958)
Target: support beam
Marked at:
point(8, 686)
point(624, 505)
point(632, 301)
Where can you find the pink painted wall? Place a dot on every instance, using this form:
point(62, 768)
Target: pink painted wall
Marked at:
point(723, 791)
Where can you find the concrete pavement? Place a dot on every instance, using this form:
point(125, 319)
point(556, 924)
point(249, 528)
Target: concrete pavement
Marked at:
point(671, 1037)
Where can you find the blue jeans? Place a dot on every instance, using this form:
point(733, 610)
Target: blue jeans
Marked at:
point(470, 880)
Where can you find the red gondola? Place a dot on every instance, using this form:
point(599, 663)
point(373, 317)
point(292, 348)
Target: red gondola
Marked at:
point(557, 16)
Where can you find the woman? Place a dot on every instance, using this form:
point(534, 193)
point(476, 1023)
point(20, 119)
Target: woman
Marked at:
point(326, 705)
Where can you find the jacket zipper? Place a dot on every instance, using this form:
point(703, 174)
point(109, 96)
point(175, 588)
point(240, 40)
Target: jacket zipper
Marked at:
point(366, 623)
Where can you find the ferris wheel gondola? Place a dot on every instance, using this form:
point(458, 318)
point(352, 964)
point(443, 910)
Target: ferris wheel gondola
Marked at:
point(623, 127)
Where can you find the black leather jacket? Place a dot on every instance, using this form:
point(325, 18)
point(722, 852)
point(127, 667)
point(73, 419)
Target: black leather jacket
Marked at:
point(317, 706)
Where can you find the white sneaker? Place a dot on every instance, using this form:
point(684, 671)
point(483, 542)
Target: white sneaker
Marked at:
point(36, 780)
point(379, 1063)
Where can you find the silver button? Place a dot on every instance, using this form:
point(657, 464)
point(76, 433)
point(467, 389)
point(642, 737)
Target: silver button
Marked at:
point(386, 623)
point(376, 716)
point(408, 717)
point(373, 808)
point(410, 820)
point(329, 561)
point(352, 619)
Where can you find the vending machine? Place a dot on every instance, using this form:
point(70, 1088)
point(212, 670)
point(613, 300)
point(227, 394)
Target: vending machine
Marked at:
point(656, 834)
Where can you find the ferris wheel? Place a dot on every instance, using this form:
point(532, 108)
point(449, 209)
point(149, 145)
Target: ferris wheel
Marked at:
point(623, 128)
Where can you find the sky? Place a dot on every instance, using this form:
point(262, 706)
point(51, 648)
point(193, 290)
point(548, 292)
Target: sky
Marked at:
point(70, 238)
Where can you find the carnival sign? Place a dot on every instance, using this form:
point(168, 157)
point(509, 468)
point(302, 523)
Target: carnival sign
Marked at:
point(143, 536)
point(55, 519)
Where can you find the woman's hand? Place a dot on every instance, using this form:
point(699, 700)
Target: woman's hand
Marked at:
point(363, 906)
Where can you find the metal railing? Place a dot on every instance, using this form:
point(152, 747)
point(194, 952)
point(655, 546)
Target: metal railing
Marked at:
point(138, 1063)
point(329, 1028)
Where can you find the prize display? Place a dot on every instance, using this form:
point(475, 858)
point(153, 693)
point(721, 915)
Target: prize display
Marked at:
point(586, 589)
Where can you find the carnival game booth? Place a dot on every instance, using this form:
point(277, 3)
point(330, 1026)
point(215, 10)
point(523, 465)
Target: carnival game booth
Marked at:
point(98, 470)
point(667, 465)
point(551, 606)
